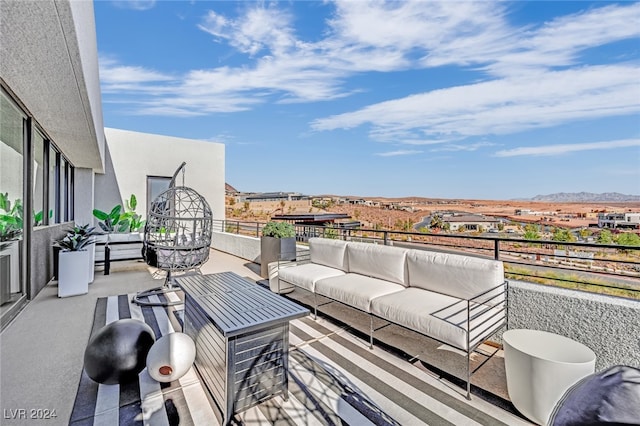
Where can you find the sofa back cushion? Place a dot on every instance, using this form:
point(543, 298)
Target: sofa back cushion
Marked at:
point(327, 252)
point(378, 261)
point(453, 274)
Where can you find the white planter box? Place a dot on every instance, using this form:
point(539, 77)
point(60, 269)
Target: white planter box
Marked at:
point(73, 273)
point(91, 248)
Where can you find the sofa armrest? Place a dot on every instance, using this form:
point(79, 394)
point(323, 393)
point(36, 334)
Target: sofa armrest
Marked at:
point(480, 316)
point(302, 255)
point(487, 312)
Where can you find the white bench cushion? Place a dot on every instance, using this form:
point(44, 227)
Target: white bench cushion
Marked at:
point(452, 274)
point(355, 290)
point(306, 275)
point(328, 252)
point(424, 311)
point(377, 261)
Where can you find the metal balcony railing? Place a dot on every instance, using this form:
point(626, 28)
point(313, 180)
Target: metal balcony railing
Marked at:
point(602, 268)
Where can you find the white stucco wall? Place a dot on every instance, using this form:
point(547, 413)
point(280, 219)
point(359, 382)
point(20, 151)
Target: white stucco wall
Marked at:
point(83, 195)
point(134, 156)
point(84, 24)
point(46, 48)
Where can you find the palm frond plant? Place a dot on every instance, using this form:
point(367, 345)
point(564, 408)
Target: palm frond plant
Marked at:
point(109, 221)
point(11, 222)
point(134, 220)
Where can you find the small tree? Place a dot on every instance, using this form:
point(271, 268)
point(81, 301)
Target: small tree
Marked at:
point(531, 232)
point(436, 222)
point(585, 233)
point(605, 237)
point(560, 234)
point(628, 239)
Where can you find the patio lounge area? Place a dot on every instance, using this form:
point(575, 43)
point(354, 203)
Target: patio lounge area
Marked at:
point(335, 377)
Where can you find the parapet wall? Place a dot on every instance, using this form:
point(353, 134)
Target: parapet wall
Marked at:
point(238, 245)
point(609, 325)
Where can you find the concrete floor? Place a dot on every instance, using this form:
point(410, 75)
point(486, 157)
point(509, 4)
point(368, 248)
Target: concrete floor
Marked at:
point(41, 351)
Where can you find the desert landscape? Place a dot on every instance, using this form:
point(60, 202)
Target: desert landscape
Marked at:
point(560, 214)
point(388, 213)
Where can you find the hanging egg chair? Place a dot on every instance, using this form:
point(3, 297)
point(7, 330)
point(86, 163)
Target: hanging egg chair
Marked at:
point(177, 233)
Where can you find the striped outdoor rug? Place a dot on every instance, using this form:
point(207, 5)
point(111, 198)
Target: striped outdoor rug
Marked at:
point(334, 379)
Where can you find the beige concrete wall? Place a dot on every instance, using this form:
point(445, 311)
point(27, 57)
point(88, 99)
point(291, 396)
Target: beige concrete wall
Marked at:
point(274, 207)
point(135, 156)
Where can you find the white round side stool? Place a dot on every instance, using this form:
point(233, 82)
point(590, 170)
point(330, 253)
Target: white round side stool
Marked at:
point(540, 367)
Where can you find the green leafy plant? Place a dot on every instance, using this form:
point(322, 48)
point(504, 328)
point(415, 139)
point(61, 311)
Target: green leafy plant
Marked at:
point(11, 222)
point(39, 216)
point(109, 222)
point(130, 216)
point(278, 230)
point(77, 238)
point(118, 221)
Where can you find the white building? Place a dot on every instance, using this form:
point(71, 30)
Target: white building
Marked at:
point(470, 222)
point(56, 156)
point(618, 220)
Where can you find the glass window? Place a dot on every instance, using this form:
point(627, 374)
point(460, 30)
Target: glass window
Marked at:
point(70, 200)
point(155, 186)
point(64, 190)
point(11, 190)
point(38, 179)
point(53, 185)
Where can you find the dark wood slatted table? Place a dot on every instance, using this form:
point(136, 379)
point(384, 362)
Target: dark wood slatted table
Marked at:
point(241, 331)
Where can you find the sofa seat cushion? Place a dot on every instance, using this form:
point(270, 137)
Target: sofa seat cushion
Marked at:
point(356, 290)
point(377, 261)
point(306, 275)
point(436, 315)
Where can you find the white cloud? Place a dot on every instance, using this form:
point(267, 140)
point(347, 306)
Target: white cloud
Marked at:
point(398, 153)
point(378, 36)
point(502, 106)
point(117, 77)
point(550, 150)
point(134, 4)
point(261, 28)
point(463, 147)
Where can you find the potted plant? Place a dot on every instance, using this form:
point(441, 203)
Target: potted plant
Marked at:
point(73, 272)
point(90, 232)
point(278, 242)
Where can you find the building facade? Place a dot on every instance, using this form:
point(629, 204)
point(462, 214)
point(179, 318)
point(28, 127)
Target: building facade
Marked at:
point(619, 220)
point(56, 163)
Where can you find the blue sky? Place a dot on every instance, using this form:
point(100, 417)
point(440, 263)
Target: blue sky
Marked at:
point(485, 100)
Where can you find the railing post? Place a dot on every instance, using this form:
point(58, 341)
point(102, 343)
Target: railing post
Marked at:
point(496, 249)
point(386, 238)
point(257, 229)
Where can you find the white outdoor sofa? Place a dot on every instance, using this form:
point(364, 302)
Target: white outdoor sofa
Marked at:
point(456, 299)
